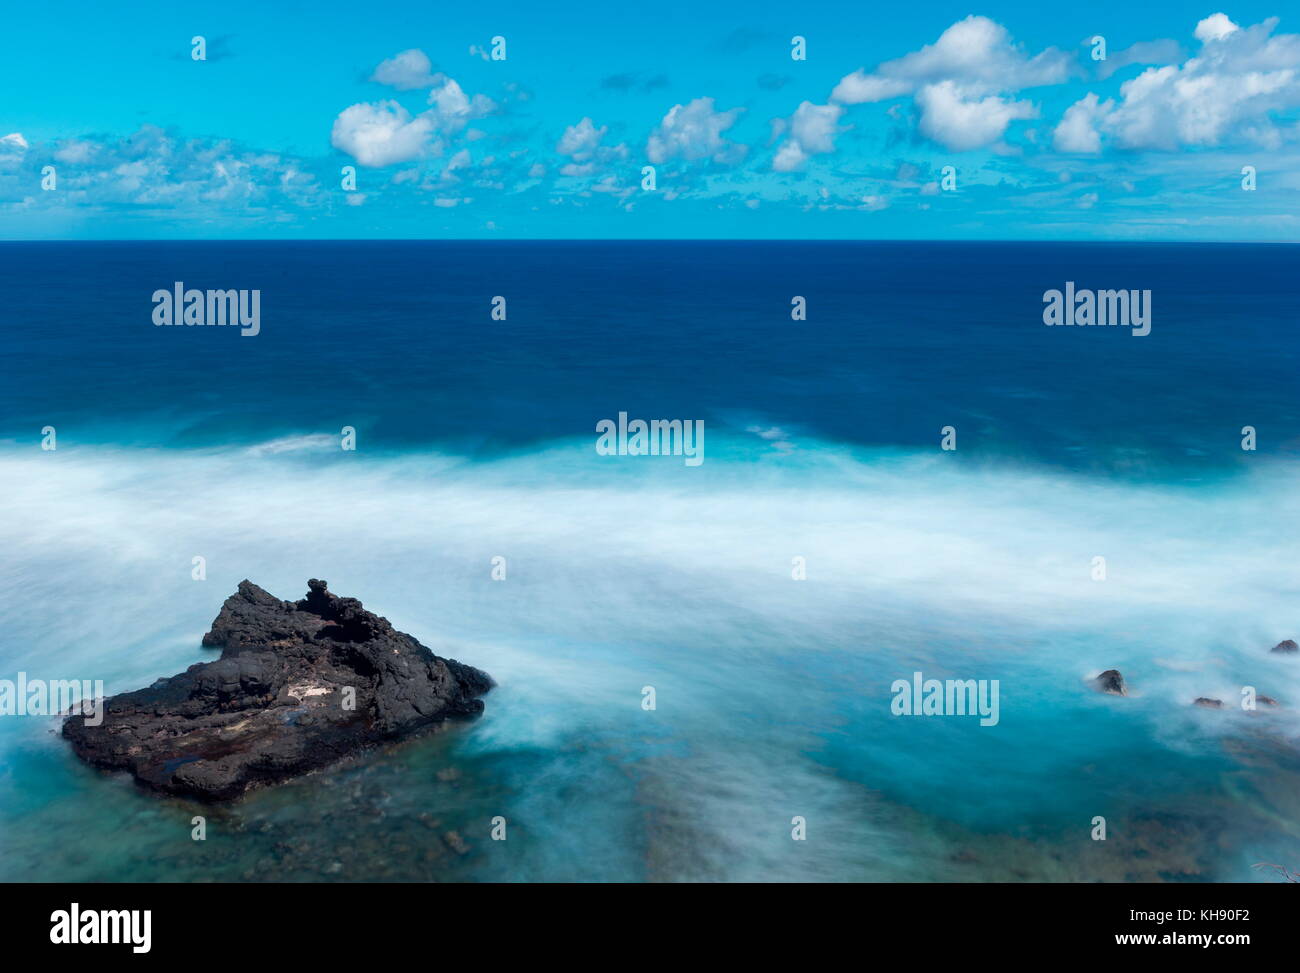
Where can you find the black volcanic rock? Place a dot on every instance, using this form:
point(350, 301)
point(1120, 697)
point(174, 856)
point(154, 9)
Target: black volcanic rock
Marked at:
point(1286, 647)
point(299, 685)
point(1207, 703)
point(1111, 682)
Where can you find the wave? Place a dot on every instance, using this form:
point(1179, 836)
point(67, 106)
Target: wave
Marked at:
point(772, 693)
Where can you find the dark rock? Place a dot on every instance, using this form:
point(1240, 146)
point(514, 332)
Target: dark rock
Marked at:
point(1112, 682)
point(1208, 703)
point(1286, 647)
point(274, 705)
point(1266, 700)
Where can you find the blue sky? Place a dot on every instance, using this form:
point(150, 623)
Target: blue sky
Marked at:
point(1045, 141)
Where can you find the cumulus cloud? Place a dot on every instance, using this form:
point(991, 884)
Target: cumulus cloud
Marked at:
point(381, 134)
point(1077, 131)
point(385, 133)
point(961, 83)
point(582, 143)
point(694, 131)
point(581, 140)
point(976, 52)
point(1229, 90)
point(452, 109)
point(811, 130)
point(1214, 28)
point(952, 117)
point(407, 71)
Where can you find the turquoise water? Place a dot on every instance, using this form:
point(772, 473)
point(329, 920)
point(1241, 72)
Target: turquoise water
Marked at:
point(772, 694)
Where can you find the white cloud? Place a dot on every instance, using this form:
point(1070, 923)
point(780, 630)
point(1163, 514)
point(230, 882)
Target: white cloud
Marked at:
point(406, 71)
point(1229, 90)
point(460, 160)
point(153, 169)
point(385, 133)
point(694, 131)
point(581, 140)
point(1214, 28)
point(976, 52)
point(811, 130)
point(582, 143)
point(1077, 131)
point(954, 119)
point(382, 134)
point(859, 87)
point(961, 82)
point(452, 109)
point(789, 157)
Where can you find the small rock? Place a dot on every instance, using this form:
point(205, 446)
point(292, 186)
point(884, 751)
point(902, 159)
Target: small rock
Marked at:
point(1208, 703)
point(1266, 700)
point(1111, 681)
point(1286, 647)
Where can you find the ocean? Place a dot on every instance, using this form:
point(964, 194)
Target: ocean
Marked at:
point(770, 596)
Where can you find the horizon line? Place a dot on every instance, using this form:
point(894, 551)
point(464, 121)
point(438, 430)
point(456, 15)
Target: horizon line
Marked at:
point(986, 240)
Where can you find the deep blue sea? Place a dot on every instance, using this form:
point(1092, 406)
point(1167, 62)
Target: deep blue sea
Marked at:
point(475, 439)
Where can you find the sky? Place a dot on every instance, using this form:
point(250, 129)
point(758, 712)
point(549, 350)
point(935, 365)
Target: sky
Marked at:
point(1099, 121)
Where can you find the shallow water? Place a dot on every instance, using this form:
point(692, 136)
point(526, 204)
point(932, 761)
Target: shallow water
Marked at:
point(772, 695)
